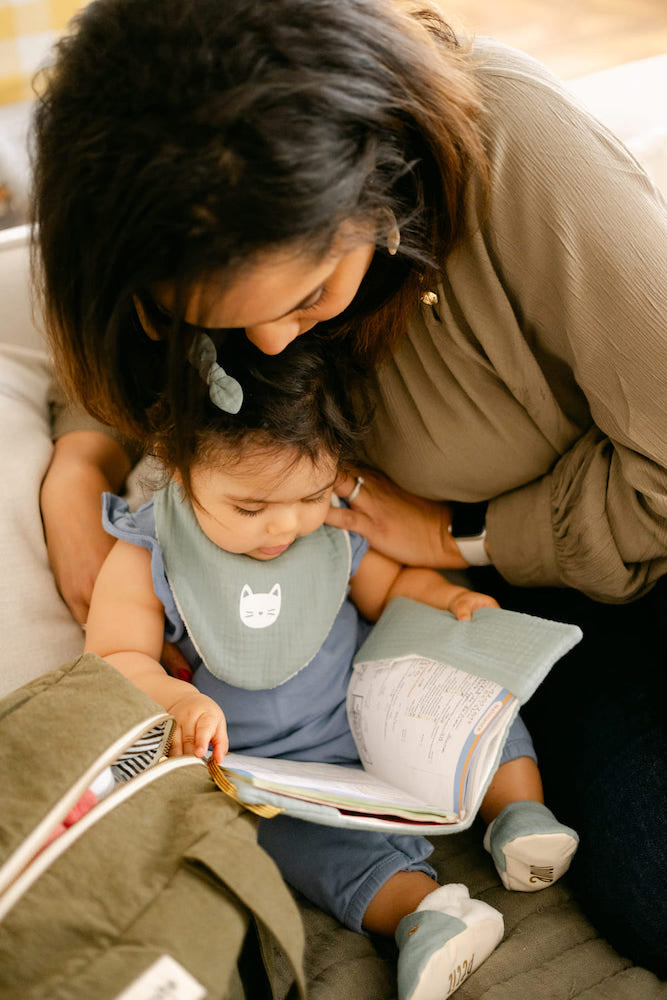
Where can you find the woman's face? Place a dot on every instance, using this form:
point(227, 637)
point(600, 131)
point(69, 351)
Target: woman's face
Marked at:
point(281, 296)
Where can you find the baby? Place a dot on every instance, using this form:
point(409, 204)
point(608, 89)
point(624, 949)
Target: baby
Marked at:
point(234, 562)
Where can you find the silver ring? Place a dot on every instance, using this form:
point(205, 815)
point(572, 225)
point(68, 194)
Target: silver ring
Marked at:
point(358, 483)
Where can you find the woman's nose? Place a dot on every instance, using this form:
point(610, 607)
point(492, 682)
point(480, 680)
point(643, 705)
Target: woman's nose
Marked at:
point(272, 338)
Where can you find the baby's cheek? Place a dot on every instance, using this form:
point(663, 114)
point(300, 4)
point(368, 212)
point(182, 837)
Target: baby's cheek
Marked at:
point(317, 518)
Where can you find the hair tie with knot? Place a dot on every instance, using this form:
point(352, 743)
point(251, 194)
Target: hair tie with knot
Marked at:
point(224, 390)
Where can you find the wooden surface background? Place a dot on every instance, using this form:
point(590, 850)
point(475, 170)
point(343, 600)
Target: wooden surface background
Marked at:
point(572, 37)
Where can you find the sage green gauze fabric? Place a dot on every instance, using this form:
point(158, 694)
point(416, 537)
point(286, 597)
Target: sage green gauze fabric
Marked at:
point(514, 650)
point(255, 624)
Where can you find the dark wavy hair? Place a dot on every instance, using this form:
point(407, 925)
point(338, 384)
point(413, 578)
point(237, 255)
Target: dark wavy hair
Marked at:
point(174, 139)
point(308, 401)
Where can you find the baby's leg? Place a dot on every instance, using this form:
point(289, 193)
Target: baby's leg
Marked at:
point(529, 847)
point(443, 935)
point(518, 780)
point(382, 883)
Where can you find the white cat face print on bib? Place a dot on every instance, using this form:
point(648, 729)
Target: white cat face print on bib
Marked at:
point(259, 610)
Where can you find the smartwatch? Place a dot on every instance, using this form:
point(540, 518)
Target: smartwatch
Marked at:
point(468, 530)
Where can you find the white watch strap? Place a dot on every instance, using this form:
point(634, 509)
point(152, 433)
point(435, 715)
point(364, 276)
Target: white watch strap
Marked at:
point(474, 551)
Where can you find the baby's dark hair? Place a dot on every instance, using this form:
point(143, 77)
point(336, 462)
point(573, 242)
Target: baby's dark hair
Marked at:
point(310, 399)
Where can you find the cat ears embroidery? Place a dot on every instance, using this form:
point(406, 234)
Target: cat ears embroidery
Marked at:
point(247, 592)
point(259, 610)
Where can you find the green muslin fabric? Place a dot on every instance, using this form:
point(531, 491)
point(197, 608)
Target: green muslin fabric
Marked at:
point(255, 624)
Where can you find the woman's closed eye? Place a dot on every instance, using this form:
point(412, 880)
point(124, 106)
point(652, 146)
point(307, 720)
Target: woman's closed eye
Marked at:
point(158, 321)
point(318, 299)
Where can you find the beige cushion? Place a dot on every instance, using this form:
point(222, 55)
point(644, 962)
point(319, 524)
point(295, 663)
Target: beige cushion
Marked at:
point(38, 632)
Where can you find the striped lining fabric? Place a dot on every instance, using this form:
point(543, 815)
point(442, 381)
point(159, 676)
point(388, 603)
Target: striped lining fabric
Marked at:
point(140, 755)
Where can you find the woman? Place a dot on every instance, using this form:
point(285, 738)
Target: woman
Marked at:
point(460, 226)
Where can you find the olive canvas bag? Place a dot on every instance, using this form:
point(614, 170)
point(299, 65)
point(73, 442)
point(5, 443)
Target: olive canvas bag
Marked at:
point(160, 890)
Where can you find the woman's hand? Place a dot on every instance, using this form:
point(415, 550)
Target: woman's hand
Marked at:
point(84, 465)
point(405, 527)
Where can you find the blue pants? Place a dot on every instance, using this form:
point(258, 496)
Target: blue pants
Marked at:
point(598, 722)
point(341, 870)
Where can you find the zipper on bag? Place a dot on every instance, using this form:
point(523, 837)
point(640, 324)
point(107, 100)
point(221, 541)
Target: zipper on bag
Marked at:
point(116, 756)
point(123, 791)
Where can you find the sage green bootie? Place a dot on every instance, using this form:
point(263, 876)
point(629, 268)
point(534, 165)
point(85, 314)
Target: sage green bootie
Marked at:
point(446, 938)
point(530, 848)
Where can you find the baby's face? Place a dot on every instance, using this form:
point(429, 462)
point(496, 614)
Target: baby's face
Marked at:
point(260, 505)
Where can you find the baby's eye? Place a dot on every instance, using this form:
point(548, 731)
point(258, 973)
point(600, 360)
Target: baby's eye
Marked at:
point(246, 512)
point(317, 499)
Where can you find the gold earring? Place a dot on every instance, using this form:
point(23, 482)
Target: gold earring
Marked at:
point(394, 236)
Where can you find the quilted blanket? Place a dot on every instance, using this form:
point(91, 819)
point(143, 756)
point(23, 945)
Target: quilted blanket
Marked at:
point(551, 951)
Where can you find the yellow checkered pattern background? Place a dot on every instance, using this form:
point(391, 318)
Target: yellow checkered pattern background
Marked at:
point(28, 29)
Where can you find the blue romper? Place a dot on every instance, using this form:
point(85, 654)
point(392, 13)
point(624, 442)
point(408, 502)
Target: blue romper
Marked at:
point(302, 718)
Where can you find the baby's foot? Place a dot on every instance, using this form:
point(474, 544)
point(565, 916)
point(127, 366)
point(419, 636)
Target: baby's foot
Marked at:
point(447, 937)
point(529, 847)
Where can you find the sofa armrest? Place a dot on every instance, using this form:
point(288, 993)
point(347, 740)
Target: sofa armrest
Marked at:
point(630, 100)
point(18, 325)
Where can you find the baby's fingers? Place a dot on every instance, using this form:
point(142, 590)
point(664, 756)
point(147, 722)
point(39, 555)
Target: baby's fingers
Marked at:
point(210, 728)
point(220, 741)
point(483, 601)
point(176, 746)
point(463, 611)
point(467, 604)
point(189, 738)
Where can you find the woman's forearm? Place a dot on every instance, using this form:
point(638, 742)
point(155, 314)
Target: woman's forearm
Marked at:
point(84, 465)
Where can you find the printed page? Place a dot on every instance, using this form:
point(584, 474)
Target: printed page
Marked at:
point(418, 724)
point(330, 784)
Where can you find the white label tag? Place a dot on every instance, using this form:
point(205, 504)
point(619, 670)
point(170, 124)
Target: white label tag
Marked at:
point(166, 979)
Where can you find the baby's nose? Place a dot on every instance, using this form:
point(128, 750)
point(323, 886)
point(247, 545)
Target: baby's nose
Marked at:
point(283, 521)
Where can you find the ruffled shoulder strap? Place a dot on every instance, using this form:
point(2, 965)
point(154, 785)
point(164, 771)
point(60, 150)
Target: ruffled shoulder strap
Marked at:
point(138, 528)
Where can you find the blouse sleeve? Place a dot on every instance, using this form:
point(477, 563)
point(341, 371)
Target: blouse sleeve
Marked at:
point(578, 235)
point(67, 417)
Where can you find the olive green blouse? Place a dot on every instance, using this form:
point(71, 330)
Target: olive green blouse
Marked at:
point(538, 380)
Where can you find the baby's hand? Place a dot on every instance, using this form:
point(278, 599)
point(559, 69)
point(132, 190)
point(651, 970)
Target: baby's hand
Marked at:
point(200, 721)
point(464, 602)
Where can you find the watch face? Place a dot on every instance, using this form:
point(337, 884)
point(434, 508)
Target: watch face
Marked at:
point(468, 519)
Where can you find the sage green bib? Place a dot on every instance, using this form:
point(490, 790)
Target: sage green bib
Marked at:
point(255, 624)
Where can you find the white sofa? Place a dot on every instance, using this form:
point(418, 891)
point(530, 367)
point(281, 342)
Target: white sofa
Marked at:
point(38, 630)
